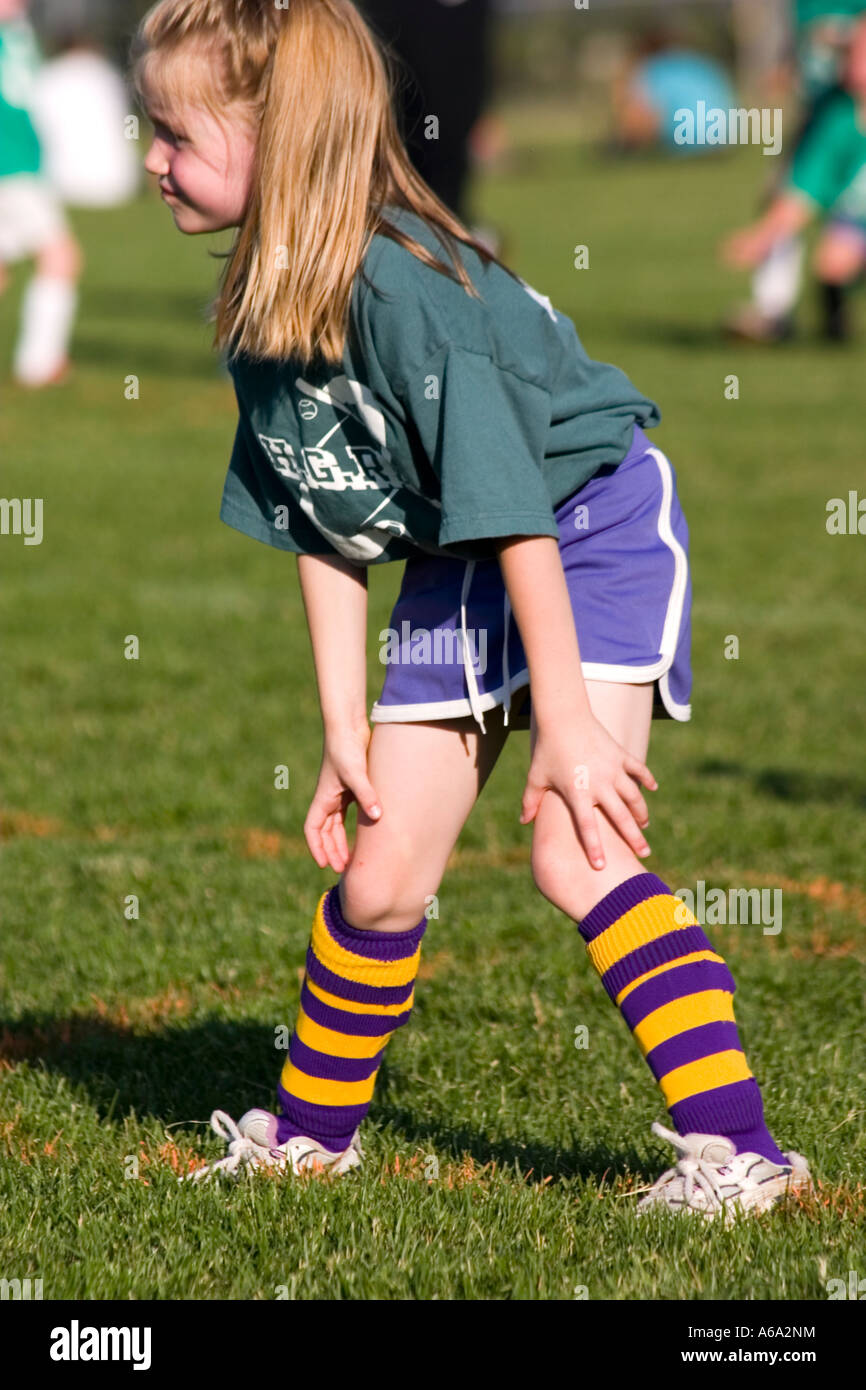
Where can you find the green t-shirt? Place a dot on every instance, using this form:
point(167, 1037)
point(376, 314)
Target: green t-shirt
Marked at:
point(829, 165)
point(451, 421)
point(19, 63)
point(810, 11)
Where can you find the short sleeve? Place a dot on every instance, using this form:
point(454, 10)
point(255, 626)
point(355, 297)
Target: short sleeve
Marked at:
point(484, 431)
point(254, 500)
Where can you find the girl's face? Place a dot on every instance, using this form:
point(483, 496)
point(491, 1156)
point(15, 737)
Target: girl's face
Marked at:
point(204, 167)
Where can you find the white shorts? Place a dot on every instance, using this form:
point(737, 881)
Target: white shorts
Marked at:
point(31, 216)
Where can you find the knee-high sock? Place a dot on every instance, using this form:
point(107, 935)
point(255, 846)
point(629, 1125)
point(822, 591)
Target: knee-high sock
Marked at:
point(358, 987)
point(776, 282)
point(47, 317)
point(834, 304)
point(676, 995)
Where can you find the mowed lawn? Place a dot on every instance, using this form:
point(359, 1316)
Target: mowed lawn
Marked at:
point(501, 1158)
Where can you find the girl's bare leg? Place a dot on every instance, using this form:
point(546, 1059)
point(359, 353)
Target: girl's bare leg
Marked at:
point(560, 867)
point(839, 256)
point(48, 314)
point(428, 777)
point(62, 259)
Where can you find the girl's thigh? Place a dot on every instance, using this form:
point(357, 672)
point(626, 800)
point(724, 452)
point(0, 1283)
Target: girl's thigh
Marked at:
point(428, 776)
point(560, 867)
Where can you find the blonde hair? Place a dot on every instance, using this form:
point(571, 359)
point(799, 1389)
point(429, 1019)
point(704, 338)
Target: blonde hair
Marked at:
point(316, 85)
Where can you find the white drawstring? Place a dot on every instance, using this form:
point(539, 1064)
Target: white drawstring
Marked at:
point(474, 702)
point(506, 674)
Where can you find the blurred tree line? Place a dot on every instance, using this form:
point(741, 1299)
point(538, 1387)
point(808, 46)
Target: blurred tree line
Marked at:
point(541, 48)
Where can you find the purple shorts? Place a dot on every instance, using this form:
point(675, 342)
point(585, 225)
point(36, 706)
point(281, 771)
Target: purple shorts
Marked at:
point(453, 647)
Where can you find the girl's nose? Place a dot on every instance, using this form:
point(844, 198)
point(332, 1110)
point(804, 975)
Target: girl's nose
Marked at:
point(155, 162)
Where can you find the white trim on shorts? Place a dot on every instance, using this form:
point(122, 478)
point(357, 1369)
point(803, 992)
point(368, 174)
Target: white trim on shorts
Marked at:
point(591, 670)
point(446, 709)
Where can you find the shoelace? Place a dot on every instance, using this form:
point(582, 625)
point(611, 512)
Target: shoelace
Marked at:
point(704, 1174)
point(697, 1172)
point(693, 1171)
point(241, 1149)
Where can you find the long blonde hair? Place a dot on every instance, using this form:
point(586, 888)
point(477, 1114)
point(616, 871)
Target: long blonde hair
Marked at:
point(317, 86)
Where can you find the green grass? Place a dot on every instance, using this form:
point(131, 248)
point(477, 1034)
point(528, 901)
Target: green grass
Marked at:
point(155, 778)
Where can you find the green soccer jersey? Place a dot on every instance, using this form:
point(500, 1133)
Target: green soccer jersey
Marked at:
point(811, 11)
point(19, 64)
point(451, 420)
point(829, 165)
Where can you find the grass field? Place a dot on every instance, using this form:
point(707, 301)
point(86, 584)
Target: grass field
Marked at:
point(155, 778)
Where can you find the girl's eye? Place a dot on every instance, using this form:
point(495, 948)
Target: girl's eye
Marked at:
point(170, 136)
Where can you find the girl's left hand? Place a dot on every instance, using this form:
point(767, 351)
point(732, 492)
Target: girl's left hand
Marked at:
point(745, 249)
point(588, 768)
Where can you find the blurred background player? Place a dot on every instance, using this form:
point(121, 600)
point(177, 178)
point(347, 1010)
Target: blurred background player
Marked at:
point(823, 31)
point(664, 76)
point(443, 49)
point(32, 222)
point(80, 108)
point(827, 178)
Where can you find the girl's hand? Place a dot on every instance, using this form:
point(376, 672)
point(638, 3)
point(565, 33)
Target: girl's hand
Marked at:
point(342, 780)
point(589, 768)
point(745, 249)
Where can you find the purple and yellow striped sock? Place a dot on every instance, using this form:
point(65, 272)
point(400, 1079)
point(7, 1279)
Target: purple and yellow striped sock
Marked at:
point(358, 987)
point(676, 994)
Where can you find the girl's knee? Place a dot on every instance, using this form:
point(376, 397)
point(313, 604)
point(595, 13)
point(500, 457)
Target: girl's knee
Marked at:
point(838, 260)
point(62, 260)
point(562, 875)
point(544, 867)
point(372, 902)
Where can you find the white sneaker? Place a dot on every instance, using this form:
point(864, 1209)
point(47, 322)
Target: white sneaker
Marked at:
point(710, 1177)
point(253, 1143)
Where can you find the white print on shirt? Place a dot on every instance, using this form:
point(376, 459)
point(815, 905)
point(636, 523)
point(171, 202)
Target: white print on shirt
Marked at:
point(320, 468)
point(356, 467)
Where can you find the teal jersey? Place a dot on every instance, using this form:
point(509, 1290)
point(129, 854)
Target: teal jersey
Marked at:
point(19, 63)
point(829, 164)
point(811, 11)
point(450, 421)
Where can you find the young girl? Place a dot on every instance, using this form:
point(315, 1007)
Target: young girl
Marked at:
point(32, 222)
point(403, 396)
point(819, 162)
point(827, 179)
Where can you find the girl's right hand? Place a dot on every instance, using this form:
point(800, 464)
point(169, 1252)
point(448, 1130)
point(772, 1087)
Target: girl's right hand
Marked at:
point(342, 780)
